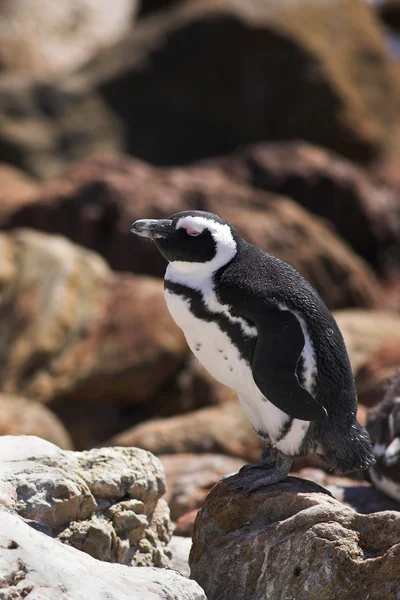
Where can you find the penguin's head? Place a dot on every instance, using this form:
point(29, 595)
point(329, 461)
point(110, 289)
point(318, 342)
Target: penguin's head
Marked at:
point(192, 241)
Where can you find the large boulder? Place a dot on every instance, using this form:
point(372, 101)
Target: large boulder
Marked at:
point(365, 331)
point(20, 416)
point(292, 540)
point(205, 76)
point(364, 211)
point(97, 200)
point(218, 429)
point(33, 564)
point(72, 329)
point(106, 502)
point(46, 40)
point(45, 127)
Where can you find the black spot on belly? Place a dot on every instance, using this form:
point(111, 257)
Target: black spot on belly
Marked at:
point(286, 427)
point(245, 345)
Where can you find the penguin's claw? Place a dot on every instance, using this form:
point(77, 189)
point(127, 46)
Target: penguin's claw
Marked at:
point(256, 479)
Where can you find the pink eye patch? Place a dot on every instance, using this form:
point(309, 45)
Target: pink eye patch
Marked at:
point(192, 231)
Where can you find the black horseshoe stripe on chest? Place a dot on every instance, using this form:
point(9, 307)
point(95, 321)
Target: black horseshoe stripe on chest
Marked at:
point(198, 308)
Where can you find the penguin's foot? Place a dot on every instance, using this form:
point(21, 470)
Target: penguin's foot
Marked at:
point(273, 467)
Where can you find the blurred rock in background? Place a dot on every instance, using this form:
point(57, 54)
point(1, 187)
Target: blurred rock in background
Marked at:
point(280, 115)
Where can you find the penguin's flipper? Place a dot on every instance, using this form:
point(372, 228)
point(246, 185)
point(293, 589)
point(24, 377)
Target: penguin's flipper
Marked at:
point(276, 356)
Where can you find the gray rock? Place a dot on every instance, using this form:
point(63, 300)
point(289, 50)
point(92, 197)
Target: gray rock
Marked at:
point(180, 548)
point(106, 502)
point(35, 566)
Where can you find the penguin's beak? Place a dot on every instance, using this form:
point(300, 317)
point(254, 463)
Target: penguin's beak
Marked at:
point(152, 228)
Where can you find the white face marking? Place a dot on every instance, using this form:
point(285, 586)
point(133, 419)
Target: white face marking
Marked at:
point(225, 250)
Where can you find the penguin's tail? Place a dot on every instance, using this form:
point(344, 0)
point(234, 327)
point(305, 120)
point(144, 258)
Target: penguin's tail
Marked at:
point(348, 451)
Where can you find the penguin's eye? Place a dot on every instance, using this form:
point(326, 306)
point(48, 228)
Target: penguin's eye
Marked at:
point(192, 232)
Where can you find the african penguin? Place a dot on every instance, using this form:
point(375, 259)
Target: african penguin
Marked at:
point(258, 327)
point(383, 426)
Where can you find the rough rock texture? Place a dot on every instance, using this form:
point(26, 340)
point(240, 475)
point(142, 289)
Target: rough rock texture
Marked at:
point(365, 330)
point(45, 127)
point(45, 39)
point(17, 189)
point(365, 213)
point(378, 368)
point(35, 566)
point(106, 502)
point(97, 200)
point(274, 76)
point(70, 328)
point(294, 542)
point(220, 429)
point(19, 416)
point(190, 477)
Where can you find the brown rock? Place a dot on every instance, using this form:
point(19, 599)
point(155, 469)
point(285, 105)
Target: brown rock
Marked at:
point(72, 329)
point(292, 540)
point(17, 189)
point(19, 416)
point(99, 199)
point(365, 331)
point(45, 127)
point(219, 429)
point(273, 71)
point(190, 477)
point(185, 524)
point(389, 11)
point(379, 367)
point(71, 32)
point(364, 212)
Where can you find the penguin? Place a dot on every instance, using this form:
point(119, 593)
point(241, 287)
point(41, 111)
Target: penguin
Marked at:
point(383, 425)
point(261, 329)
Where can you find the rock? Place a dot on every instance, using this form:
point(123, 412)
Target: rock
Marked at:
point(106, 502)
point(71, 33)
point(180, 548)
point(85, 333)
point(241, 548)
point(260, 86)
point(389, 11)
point(219, 429)
point(379, 366)
point(17, 189)
point(364, 212)
point(356, 493)
point(35, 565)
point(103, 195)
point(185, 524)
point(384, 428)
point(19, 416)
point(365, 330)
point(45, 127)
point(190, 477)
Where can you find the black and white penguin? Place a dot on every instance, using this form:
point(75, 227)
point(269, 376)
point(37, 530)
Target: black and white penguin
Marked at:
point(383, 426)
point(260, 328)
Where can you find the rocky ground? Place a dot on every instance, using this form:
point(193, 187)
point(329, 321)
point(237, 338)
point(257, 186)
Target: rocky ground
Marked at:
point(283, 117)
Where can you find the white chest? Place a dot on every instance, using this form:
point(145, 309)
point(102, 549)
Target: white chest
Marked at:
point(211, 346)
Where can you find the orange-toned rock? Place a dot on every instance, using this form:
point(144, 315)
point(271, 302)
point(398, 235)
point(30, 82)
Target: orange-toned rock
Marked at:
point(190, 477)
point(97, 200)
point(219, 429)
point(379, 366)
point(19, 416)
